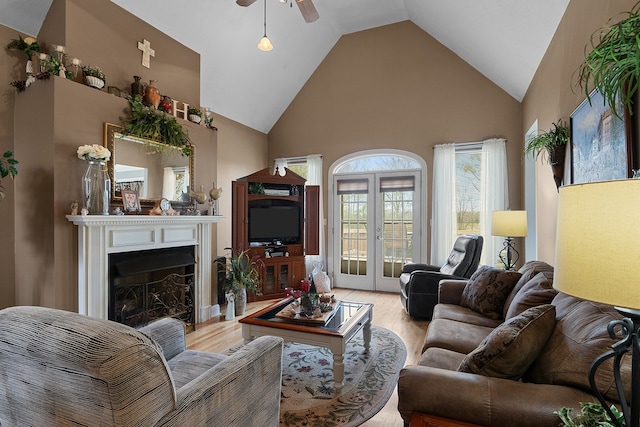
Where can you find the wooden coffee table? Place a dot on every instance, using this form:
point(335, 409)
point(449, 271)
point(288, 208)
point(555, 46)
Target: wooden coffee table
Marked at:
point(349, 318)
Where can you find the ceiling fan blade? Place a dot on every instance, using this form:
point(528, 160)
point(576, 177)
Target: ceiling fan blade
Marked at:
point(245, 2)
point(308, 10)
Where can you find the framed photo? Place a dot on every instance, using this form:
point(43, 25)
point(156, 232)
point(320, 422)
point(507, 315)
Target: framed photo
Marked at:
point(130, 201)
point(601, 142)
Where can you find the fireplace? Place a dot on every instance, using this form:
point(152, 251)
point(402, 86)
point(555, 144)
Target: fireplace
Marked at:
point(148, 285)
point(100, 237)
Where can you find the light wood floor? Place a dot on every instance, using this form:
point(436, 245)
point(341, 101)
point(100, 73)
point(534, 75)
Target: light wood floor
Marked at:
point(217, 334)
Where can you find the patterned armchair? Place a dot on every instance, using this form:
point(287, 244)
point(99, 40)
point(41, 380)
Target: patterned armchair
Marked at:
point(61, 368)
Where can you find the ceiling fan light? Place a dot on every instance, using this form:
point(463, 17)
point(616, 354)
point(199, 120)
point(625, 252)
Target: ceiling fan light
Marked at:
point(265, 44)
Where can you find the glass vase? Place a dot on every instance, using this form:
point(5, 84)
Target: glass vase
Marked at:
point(96, 188)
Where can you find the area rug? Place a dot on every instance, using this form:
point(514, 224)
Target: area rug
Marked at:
point(308, 394)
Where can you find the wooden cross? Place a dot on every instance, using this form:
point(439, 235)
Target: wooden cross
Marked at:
point(147, 52)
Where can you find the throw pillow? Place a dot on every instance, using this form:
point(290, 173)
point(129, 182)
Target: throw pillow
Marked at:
point(529, 270)
point(487, 290)
point(509, 350)
point(536, 291)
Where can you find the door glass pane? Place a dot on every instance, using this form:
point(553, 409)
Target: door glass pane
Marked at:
point(353, 229)
point(397, 235)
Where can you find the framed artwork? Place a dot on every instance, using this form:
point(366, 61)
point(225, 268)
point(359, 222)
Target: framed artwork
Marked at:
point(601, 142)
point(131, 201)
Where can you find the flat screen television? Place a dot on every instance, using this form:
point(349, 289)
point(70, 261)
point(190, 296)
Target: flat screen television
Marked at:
point(274, 223)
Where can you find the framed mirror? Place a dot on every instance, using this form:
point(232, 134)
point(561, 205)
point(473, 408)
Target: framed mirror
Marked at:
point(152, 169)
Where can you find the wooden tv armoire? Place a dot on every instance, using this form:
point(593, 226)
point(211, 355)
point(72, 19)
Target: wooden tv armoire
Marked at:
point(281, 261)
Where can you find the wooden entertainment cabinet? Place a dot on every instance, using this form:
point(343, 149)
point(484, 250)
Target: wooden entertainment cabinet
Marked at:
point(282, 261)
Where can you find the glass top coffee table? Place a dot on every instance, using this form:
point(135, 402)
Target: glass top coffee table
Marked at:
point(349, 318)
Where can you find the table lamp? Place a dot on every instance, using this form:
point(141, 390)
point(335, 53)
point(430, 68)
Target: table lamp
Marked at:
point(597, 254)
point(509, 224)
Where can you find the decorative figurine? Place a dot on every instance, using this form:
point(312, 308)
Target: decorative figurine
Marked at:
point(231, 307)
point(74, 208)
point(214, 195)
point(84, 211)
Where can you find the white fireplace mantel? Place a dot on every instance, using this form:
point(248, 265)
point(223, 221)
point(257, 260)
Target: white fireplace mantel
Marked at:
point(99, 236)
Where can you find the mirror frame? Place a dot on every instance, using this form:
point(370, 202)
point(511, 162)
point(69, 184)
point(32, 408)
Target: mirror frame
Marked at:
point(110, 131)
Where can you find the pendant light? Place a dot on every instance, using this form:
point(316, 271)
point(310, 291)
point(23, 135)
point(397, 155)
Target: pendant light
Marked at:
point(265, 44)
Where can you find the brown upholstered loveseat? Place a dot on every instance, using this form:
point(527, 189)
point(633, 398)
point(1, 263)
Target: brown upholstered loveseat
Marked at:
point(518, 368)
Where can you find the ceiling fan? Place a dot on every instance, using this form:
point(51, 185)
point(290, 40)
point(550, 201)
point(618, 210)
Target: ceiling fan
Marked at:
point(308, 10)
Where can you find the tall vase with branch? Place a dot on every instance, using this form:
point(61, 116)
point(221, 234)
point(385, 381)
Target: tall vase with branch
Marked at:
point(242, 275)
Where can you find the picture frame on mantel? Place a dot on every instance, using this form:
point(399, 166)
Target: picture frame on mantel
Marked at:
point(130, 201)
point(602, 147)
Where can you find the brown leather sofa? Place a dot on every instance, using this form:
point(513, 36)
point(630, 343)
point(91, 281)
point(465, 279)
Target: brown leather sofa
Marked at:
point(462, 377)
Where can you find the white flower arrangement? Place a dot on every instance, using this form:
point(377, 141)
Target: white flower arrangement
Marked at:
point(94, 152)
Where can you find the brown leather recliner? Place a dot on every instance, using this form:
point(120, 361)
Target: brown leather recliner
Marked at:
point(419, 282)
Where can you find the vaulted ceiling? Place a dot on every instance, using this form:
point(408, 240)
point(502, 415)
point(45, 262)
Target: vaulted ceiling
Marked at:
point(503, 39)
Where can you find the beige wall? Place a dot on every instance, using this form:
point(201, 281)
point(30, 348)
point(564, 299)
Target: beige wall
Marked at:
point(241, 151)
point(553, 95)
point(11, 68)
point(397, 87)
point(43, 252)
point(103, 34)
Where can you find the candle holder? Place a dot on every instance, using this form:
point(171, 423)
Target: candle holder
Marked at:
point(75, 66)
point(58, 53)
point(43, 62)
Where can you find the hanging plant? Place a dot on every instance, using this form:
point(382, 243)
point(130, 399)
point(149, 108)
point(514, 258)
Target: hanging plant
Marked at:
point(147, 123)
point(613, 65)
point(545, 142)
point(551, 145)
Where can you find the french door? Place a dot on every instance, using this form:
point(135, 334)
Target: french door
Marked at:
point(375, 228)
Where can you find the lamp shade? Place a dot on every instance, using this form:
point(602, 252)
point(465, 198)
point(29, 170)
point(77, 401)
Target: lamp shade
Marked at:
point(509, 223)
point(598, 242)
point(265, 44)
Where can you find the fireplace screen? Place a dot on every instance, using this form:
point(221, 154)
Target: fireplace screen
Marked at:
point(149, 285)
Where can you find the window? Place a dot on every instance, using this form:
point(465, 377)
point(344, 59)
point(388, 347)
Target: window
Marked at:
point(301, 169)
point(467, 178)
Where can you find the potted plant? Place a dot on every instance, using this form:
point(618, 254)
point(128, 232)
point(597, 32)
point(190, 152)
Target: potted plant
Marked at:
point(7, 168)
point(148, 123)
point(93, 76)
point(28, 45)
point(242, 275)
point(591, 415)
point(194, 114)
point(551, 144)
point(613, 65)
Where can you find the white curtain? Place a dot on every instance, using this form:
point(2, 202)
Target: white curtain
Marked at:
point(444, 223)
point(494, 194)
point(169, 184)
point(314, 170)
